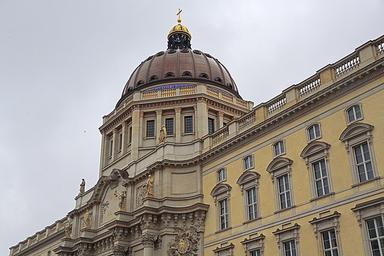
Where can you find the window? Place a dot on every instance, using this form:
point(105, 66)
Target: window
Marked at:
point(326, 229)
point(251, 203)
point(288, 240)
point(130, 134)
point(363, 162)
point(248, 162)
point(225, 249)
point(211, 125)
point(110, 145)
point(188, 124)
point(221, 175)
point(278, 148)
point(150, 131)
point(169, 126)
point(255, 252)
point(221, 196)
point(280, 170)
point(354, 113)
point(313, 132)
point(284, 191)
point(329, 243)
point(357, 138)
point(289, 248)
point(375, 231)
point(320, 177)
point(369, 215)
point(119, 140)
point(223, 216)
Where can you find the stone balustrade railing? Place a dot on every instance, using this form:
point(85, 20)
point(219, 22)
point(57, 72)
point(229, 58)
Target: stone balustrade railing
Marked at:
point(325, 77)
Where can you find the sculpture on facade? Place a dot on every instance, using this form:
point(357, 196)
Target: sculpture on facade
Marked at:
point(82, 186)
point(68, 230)
point(87, 219)
point(149, 185)
point(185, 243)
point(163, 134)
point(122, 199)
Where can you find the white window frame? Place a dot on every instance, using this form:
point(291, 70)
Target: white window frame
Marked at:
point(220, 192)
point(286, 234)
point(353, 109)
point(325, 223)
point(378, 238)
point(285, 192)
point(332, 247)
point(250, 180)
point(364, 162)
point(365, 211)
point(278, 148)
point(221, 175)
point(223, 214)
point(250, 159)
point(225, 249)
point(353, 135)
point(254, 243)
point(312, 129)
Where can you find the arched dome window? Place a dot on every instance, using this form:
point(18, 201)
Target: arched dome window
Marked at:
point(187, 74)
point(153, 78)
point(170, 74)
point(140, 82)
point(203, 75)
point(218, 79)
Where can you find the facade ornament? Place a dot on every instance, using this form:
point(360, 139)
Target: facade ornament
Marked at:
point(123, 199)
point(185, 243)
point(87, 219)
point(149, 186)
point(82, 186)
point(68, 230)
point(163, 134)
point(140, 195)
point(148, 239)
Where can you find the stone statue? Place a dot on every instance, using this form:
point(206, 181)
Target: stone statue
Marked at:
point(163, 134)
point(123, 199)
point(87, 219)
point(68, 230)
point(149, 185)
point(82, 186)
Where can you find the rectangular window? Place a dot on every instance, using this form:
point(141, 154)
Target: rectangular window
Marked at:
point(330, 243)
point(284, 191)
point(278, 148)
point(130, 135)
point(223, 217)
point(251, 203)
point(120, 145)
point(320, 177)
point(255, 252)
point(221, 175)
point(289, 248)
point(314, 132)
point(376, 235)
point(110, 145)
point(363, 162)
point(354, 113)
point(211, 125)
point(150, 132)
point(169, 126)
point(188, 124)
point(248, 162)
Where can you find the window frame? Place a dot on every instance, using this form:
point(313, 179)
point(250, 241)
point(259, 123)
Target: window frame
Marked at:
point(356, 118)
point(281, 148)
point(188, 115)
point(364, 162)
point(252, 162)
point(286, 234)
point(378, 238)
point(253, 243)
point(309, 133)
point(220, 192)
point(167, 118)
point(211, 121)
point(250, 180)
point(109, 145)
point(147, 121)
point(224, 171)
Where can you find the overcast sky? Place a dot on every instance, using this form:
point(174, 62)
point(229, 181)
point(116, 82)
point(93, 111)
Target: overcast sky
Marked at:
point(63, 65)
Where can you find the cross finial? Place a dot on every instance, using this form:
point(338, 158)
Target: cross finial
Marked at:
point(179, 14)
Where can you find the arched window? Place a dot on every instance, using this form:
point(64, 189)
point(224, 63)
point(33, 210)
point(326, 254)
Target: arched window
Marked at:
point(169, 74)
point(313, 132)
point(354, 113)
point(187, 73)
point(203, 75)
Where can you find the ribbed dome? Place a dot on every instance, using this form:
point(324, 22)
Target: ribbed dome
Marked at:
point(184, 65)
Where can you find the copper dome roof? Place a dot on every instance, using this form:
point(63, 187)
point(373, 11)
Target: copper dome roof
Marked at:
point(178, 66)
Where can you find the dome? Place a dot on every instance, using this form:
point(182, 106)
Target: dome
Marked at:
point(179, 63)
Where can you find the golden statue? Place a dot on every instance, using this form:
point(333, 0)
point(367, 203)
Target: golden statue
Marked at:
point(163, 134)
point(82, 186)
point(149, 185)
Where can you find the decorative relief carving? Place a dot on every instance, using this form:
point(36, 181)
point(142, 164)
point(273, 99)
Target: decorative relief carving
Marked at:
point(87, 219)
point(149, 186)
point(122, 199)
point(185, 243)
point(140, 195)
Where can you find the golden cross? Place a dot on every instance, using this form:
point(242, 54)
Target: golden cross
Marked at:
point(179, 14)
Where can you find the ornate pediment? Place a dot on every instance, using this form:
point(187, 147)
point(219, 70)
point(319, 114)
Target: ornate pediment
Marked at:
point(355, 129)
point(278, 163)
point(220, 188)
point(314, 147)
point(247, 176)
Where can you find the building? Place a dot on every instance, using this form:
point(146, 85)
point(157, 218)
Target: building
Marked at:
point(190, 168)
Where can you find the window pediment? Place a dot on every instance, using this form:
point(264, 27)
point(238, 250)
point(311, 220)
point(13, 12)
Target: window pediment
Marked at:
point(278, 163)
point(247, 177)
point(220, 189)
point(314, 147)
point(354, 130)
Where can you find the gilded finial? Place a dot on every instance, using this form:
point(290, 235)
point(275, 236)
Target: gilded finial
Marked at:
point(179, 15)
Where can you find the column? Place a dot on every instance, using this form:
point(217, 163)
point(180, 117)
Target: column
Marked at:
point(201, 117)
point(136, 133)
point(159, 124)
point(221, 119)
point(148, 240)
point(178, 127)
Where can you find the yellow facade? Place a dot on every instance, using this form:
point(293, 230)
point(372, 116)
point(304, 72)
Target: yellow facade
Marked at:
point(345, 193)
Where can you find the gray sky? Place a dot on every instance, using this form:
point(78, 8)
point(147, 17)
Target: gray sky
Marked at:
point(63, 65)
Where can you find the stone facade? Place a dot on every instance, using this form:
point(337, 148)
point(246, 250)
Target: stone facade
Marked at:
point(160, 192)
